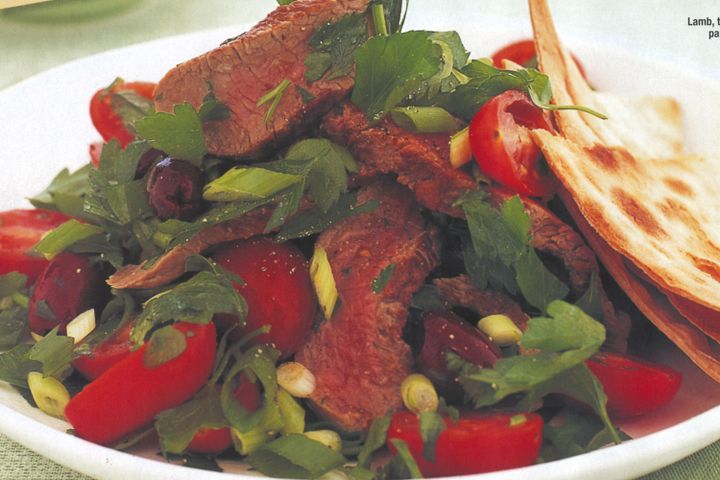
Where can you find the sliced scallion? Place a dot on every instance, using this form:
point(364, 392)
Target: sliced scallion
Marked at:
point(248, 184)
point(424, 119)
point(64, 236)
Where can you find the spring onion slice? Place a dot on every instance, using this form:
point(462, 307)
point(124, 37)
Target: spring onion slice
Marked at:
point(424, 119)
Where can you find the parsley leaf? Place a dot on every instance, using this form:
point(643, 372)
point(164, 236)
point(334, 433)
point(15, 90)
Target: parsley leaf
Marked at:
point(13, 309)
point(432, 425)
point(375, 439)
point(295, 456)
point(212, 109)
point(176, 427)
point(333, 48)
point(165, 344)
point(195, 300)
point(66, 192)
point(50, 355)
point(569, 433)
point(130, 106)
point(390, 68)
point(379, 282)
point(179, 134)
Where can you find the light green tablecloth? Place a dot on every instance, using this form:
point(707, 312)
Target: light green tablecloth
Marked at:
point(28, 48)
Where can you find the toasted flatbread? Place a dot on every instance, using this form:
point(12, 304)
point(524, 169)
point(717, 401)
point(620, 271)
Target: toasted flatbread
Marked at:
point(703, 351)
point(651, 204)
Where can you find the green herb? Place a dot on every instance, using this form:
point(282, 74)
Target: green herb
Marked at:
point(426, 298)
point(375, 439)
point(65, 235)
point(273, 96)
point(484, 81)
point(164, 345)
point(195, 300)
point(13, 326)
point(285, 2)
point(379, 282)
point(176, 427)
point(212, 109)
point(295, 456)
point(316, 220)
point(569, 433)
point(66, 192)
point(130, 106)
point(179, 134)
point(306, 96)
point(432, 425)
point(389, 69)
point(257, 362)
point(12, 283)
point(333, 48)
point(248, 183)
point(501, 254)
point(591, 300)
point(404, 454)
point(50, 355)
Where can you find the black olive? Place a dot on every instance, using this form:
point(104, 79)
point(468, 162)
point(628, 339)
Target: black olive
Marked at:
point(175, 189)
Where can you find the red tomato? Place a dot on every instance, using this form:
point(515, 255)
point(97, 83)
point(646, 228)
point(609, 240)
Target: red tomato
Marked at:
point(20, 230)
point(277, 290)
point(106, 121)
point(105, 355)
point(217, 440)
point(476, 443)
point(129, 395)
point(523, 53)
point(633, 386)
point(502, 146)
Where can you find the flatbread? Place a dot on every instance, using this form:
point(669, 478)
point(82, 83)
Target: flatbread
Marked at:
point(653, 205)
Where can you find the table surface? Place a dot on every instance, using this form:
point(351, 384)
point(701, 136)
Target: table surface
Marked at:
point(26, 48)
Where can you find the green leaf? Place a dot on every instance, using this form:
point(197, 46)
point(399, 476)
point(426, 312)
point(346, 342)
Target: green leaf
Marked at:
point(248, 183)
point(15, 365)
point(273, 96)
point(295, 456)
point(389, 69)
point(379, 282)
point(195, 300)
point(316, 220)
point(404, 454)
point(65, 235)
point(375, 440)
point(130, 106)
point(563, 342)
point(54, 352)
point(212, 109)
point(13, 326)
point(179, 134)
point(176, 427)
point(288, 203)
point(66, 192)
point(538, 284)
point(432, 425)
point(333, 48)
point(591, 300)
point(569, 433)
point(165, 344)
point(12, 283)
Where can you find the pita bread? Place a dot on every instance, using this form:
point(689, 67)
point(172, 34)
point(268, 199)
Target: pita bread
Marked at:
point(650, 203)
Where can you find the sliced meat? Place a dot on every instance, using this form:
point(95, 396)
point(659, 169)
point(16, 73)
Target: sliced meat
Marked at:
point(171, 264)
point(461, 292)
point(358, 356)
point(247, 67)
point(421, 161)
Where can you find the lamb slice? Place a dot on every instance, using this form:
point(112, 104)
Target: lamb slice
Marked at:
point(421, 161)
point(249, 66)
point(461, 292)
point(358, 356)
point(171, 265)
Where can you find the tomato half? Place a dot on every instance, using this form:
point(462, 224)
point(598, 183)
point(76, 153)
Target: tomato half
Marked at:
point(277, 290)
point(503, 148)
point(475, 443)
point(106, 354)
point(523, 53)
point(633, 386)
point(107, 122)
point(20, 230)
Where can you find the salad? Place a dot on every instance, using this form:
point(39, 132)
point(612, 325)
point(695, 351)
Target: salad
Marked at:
point(355, 263)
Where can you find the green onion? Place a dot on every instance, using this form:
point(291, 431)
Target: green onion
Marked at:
point(247, 442)
point(292, 412)
point(501, 329)
point(248, 184)
point(418, 394)
point(407, 458)
point(64, 236)
point(274, 96)
point(378, 16)
point(460, 148)
point(424, 119)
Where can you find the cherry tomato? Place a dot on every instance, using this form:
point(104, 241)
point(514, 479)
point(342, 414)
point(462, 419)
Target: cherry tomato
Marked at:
point(106, 354)
point(475, 443)
point(108, 123)
point(129, 395)
point(217, 440)
point(502, 146)
point(277, 290)
point(633, 386)
point(20, 230)
point(523, 53)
